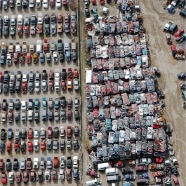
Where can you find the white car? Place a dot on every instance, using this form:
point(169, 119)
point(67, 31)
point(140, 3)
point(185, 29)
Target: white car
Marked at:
point(11, 177)
point(61, 174)
point(36, 134)
point(57, 75)
point(23, 105)
point(18, 48)
point(44, 85)
point(20, 20)
point(9, 59)
point(55, 57)
point(36, 145)
point(62, 131)
point(121, 136)
point(25, 77)
point(62, 164)
point(45, 3)
point(36, 163)
point(75, 162)
point(37, 86)
point(40, 18)
point(76, 84)
point(31, 3)
point(58, 3)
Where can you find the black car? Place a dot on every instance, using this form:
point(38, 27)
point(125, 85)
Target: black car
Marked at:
point(17, 104)
point(16, 164)
point(64, 74)
point(23, 133)
point(3, 134)
point(62, 144)
point(56, 132)
point(183, 86)
point(40, 176)
point(76, 174)
point(69, 162)
point(18, 87)
point(17, 117)
point(182, 75)
point(8, 165)
point(87, 12)
point(23, 146)
point(63, 102)
point(25, 3)
point(44, 75)
point(2, 146)
point(75, 144)
point(61, 57)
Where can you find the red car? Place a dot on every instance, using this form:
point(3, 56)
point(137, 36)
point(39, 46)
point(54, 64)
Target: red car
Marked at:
point(32, 176)
point(26, 30)
point(76, 73)
point(9, 146)
point(30, 146)
point(56, 162)
point(20, 30)
point(43, 145)
point(30, 133)
point(50, 132)
point(93, 2)
point(69, 131)
point(16, 57)
point(1, 164)
point(25, 177)
point(40, 29)
point(54, 175)
point(102, 2)
point(16, 146)
point(28, 58)
point(1, 76)
point(74, 28)
point(24, 87)
point(51, 85)
point(179, 33)
point(65, 2)
point(52, 3)
point(63, 85)
point(3, 177)
point(18, 177)
point(29, 164)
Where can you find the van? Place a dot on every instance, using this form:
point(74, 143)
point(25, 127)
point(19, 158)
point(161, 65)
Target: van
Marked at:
point(111, 171)
point(113, 178)
point(103, 166)
point(93, 183)
point(19, 3)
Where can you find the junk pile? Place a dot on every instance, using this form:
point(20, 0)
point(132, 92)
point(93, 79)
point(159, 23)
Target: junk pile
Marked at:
point(124, 104)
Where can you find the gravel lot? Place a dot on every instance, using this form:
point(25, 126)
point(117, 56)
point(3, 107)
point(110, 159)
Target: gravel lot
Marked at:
point(34, 68)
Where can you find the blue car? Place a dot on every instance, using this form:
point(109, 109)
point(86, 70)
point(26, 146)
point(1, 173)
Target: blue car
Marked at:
point(10, 133)
point(44, 102)
point(37, 104)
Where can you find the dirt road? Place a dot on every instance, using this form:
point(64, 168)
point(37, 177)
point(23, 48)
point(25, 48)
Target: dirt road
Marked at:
point(155, 18)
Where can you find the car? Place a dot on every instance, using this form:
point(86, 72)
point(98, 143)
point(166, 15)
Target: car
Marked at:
point(22, 164)
point(50, 132)
point(29, 164)
point(23, 105)
point(17, 146)
point(75, 174)
point(31, 4)
point(61, 174)
point(36, 134)
point(17, 134)
point(2, 146)
point(49, 163)
point(4, 105)
point(37, 104)
point(43, 133)
point(25, 177)
point(32, 176)
point(23, 146)
point(37, 86)
point(47, 175)
point(3, 134)
point(63, 102)
point(68, 174)
point(18, 177)
point(40, 176)
point(67, 23)
point(30, 133)
point(49, 144)
point(76, 104)
point(62, 131)
point(62, 162)
point(76, 114)
point(56, 162)
point(69, 144)
point(15, 164)
point(55, 144)
point(42, 57)
point(50, 103)
point(36, 145)
point(57, 104)
point(69, 131)
point(9, 146)
point(1, 164)
point(45, 4)
point(55, 56)
point(179, 33)
point(56, 132)
point(76, 131)
point(42, 163)
point(11, 177)
point(3, 177)
point(17, 104)
point(62, 144)
point(75, 144)
point(43, 145)
point(63, 115)
point(182, 75)
point(8, 165)
point(58, 3)
point(44, 75)
point(87, 12)
point(30, 146)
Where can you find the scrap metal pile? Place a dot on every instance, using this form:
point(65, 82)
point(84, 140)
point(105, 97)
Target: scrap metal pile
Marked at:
point(124, 106)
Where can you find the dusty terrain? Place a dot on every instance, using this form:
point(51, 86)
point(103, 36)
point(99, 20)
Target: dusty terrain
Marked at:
point(154, 19)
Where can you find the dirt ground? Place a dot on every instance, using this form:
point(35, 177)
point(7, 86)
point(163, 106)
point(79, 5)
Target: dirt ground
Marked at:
point(155, 18)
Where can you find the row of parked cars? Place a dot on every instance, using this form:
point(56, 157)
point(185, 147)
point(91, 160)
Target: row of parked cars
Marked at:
point(43, 169)
point(32, 25)
point(35, 82)
point(48, 140)
point(31, 110)
point(5, 4)
point(44, 51)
